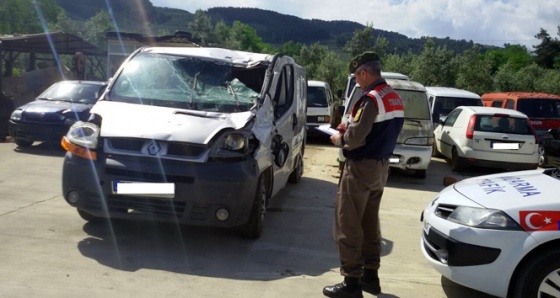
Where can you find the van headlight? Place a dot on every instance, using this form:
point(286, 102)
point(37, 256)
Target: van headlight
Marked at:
point(231, 144)
point(483, 218)
point(420, 141)
point(81, 140)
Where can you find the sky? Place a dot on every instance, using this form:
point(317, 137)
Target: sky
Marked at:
point(488, 22)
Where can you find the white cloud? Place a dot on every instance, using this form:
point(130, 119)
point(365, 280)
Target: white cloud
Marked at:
point(492, 22)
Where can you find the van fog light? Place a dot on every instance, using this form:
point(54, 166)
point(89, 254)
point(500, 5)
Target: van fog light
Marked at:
point(413, 160)
point(73, 197)
point(222, 214)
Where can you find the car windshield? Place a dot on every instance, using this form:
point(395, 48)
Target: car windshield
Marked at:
point(415, 103)
point(316, 97)
point(539, 107)
point(502, 124)
point(73, 92)
point(186, 83)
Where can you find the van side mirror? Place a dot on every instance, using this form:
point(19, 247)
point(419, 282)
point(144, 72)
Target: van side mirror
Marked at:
point(339, 93)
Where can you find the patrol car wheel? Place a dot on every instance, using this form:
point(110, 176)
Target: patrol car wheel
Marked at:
point(539, 277)
point(23, 142)
point(88, 216)
point(253, 227)
point(297, 173)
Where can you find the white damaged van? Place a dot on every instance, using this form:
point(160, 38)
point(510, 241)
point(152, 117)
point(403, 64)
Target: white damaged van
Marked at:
point(198, 136)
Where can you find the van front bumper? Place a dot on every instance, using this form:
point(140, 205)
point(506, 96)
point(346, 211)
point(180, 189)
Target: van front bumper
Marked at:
point(200, 189)
point(411, 157)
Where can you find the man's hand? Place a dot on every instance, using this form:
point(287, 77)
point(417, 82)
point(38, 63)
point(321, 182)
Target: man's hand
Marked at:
point(341, 128)
point(335, 138)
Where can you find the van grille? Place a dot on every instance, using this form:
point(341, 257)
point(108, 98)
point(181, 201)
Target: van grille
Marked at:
point(134, 146)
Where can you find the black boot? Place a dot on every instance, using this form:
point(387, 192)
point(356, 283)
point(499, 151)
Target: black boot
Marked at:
point(370, 282)
point(349, 288)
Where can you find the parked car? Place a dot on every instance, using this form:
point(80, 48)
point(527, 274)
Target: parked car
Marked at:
point(487, 137)
point(51, 114)
point(320, 106)
point(444, 99)
point(551, 149)
point(196, 136)
point(498, 234)
point(414, 145)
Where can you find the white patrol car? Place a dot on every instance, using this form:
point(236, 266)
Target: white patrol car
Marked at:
point(498, 234)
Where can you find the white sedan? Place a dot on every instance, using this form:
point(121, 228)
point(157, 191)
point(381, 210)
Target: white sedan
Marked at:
point(498, 234)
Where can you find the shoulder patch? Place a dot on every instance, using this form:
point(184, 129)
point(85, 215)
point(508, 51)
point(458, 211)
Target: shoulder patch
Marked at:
point(358, 115)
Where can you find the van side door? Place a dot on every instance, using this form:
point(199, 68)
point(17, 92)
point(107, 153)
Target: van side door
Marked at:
point(287, 120)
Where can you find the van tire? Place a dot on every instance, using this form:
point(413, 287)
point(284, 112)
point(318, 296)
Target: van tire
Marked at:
point(297, 173)
point(254, 226)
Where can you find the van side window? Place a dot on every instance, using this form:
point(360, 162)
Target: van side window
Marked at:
point(510, 104)
point(284, 94)
point(497, 103)
point(452, 117)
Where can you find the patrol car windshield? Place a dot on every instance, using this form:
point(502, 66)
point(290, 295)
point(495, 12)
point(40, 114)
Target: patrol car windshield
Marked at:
point(415, 103)
point(187, 83)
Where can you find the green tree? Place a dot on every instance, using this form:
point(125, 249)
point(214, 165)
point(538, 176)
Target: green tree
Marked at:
point(474, 71)
point(548, 51)
point(504, 79)
point(434, 67)
point(361, 41)
point(247, 38)
point(27, 16)
point(311, 57)
point(549, 81)
point(380, 47)
point(332, 70)
point(517, 56)
point(201, 27)
point(401, 63)
point(96, 27)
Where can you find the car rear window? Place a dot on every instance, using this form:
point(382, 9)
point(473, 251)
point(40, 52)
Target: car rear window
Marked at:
point(502, 124)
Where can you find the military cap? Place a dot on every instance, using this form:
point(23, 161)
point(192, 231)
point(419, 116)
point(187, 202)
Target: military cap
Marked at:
point(361, 59)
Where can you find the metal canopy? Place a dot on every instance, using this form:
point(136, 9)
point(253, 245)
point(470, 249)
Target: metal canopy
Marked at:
point(58, 43)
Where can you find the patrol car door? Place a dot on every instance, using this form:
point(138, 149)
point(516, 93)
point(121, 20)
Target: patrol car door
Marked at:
point(283, 92)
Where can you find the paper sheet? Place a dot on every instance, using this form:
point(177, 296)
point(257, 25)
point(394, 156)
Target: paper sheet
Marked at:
point(327, 129)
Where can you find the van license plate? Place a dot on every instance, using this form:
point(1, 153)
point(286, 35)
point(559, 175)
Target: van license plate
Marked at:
point(394, 160)
point(505, 146)
point(144, 189)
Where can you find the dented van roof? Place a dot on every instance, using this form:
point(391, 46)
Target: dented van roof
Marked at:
point(238, 58)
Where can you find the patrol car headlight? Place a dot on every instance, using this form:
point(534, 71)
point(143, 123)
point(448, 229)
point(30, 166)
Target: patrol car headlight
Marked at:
point(16, 115)
point(423, 141)
point(483, 218)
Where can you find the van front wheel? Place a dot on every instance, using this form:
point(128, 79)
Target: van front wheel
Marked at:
point(253, 228)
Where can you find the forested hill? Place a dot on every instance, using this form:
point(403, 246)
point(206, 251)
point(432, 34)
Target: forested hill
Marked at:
point(274, 28)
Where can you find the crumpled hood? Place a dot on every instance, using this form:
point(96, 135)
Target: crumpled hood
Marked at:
point(511, 191)
point(162, 123)
point(46, 106)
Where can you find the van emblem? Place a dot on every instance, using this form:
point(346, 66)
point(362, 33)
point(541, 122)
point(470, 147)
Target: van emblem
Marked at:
point(154, 148)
